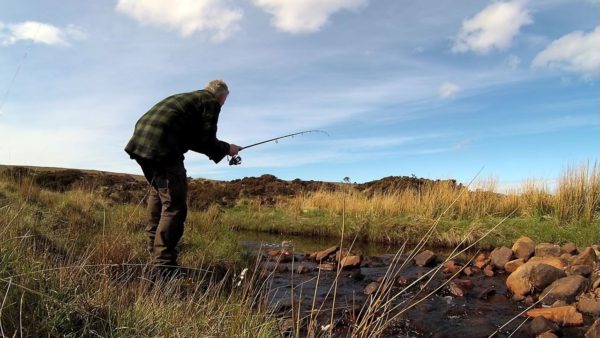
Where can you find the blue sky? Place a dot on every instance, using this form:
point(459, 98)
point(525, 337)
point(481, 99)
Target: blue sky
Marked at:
point(437, 89)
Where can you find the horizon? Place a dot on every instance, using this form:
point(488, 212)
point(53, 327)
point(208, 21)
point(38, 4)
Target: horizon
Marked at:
point(432, 89)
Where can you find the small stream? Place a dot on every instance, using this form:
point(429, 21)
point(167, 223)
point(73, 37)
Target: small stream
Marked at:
point(479, 313)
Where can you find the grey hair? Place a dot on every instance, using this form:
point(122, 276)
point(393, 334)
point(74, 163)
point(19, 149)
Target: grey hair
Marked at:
point(217, 87)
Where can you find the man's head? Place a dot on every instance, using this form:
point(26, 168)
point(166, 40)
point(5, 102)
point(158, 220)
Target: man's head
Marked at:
point(219, 89)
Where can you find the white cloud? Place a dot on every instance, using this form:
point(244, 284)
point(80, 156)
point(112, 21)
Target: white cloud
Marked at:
point(577, 52)
point(494, 27)
point(305, 16)
point(513, 62)
point(185, 16)
point(448, 90)
point(38, 32)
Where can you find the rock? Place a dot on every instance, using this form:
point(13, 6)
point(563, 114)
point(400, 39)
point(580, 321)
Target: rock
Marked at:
point(321, 255)
point(326, 266)
point(500, 256)
point(355, 274)
point(488, 271)
point(425, 258)
point(564, 316)
point(543, 275)
point(480, 261)
point(566, 288)
point(302, 269)
point(468, 271)
point(455, 290)
point(351, 262)
point(547, 334)
point(403, 281)
point(569, 248)
point(586, 257)
point(451, 267)
point(340, 254)
point(371, 288)
point(464, 283)
point(528, 300)
point(566, 257)
point(523, 247)
point(511, 266)
point(559, 303)
point(540, 325)
point(594, 331)
point(582, 270)
point(596, 283)
point(589, 305)
point(487, 293)
point(519, 281)
point(596, 248)
point(547, 249)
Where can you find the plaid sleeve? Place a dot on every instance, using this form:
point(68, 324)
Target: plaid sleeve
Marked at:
point(204, 139)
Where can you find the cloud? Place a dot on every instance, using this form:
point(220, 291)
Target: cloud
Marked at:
point(494, 27)
point(513, 62)
point(576, 52)
point(305, 16)
point(185, 16)
point(38, 32)
point(448, 90)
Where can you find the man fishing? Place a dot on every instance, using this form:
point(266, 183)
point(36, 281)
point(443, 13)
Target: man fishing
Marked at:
point(162, 135)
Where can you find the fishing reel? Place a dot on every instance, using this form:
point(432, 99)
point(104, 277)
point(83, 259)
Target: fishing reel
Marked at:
point(235, 160)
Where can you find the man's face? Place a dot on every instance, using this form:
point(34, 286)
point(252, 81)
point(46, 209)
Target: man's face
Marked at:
point(222, 98)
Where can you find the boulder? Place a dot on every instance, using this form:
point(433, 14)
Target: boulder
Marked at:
point(351, 262)
point(589, 305)
point(569, 248)
point(566, 288)
point(322, 255)
point(543, 275)
point(594, 330)
point(371, 288)
point(586, 257)
point(582, 270)
point(519, 281)
point(425, 258)
point(511, 266)
point(564, 315)
point(547, 249)
point(523, 247)
point(540, 325)
point(500, 256)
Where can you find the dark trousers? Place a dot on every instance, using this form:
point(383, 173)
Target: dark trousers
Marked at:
point(167, 208)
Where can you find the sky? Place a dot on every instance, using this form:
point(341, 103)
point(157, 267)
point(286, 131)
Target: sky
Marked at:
point(432, 88)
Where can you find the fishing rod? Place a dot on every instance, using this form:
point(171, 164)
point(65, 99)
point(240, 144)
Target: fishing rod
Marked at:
point(235, 160)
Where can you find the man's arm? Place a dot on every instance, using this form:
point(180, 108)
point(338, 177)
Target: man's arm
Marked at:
point(204, 134)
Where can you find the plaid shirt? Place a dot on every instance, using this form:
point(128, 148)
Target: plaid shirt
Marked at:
point(177, 124)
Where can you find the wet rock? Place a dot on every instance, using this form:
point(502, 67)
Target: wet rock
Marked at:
point(455, 290)
point(569, 248)
point(566, 288)
point(594, 331)
point(589, 305)
point(488, 271)
point(468, 271)
point(425, 258)
point(540, 325)
point(519, 281)
point(351, 262)
point(547, 334)
point(326, 266)
point(559, 303)
point(543, 275)
point(528, 300)
point(586, 257)
point(487, 293)
point(481, 260)
point(464, 283)
point(403, 281)
point(302, 269)
point(500, 256)
point(371, 288)
point(451, 267)
point(564, 316)
point(582, 270)
point(340, 254)
point(547, 249)
point(355, 274)
point(566, 257)
point(523, 247)
point(511, 266)
point(322, 255)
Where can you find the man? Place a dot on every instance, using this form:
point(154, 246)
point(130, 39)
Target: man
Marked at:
point(173, 126)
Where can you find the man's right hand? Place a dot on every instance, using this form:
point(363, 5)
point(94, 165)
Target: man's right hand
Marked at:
point(234, 149)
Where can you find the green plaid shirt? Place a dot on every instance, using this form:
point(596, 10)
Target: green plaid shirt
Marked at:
point(177, 124)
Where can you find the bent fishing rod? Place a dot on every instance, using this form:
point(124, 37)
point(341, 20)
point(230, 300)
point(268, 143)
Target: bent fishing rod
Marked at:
point(235, 160)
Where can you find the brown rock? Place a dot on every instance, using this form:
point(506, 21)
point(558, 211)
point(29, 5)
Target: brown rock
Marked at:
point(589, 305)
point(326, 266)
point(488, 271)
point(543, 275)
point(321, 255)
point(500, 256)
point(566, 288)
point(302, 269)
point(587, 257)
point(451, 267)
point(566, 257)
point(547, 334)
point(340, 254)
point(425, 258)
point(403, 281)
point(351, 262)
point(464, 283)
point(468, 271)
point(569, 248)
point(547, 249)
point(596, 248)
point(556, 262)
point(559, 303)
point(355, 274)
point(582, 270)
point(523, 247)
point(371, 288)
point(519, 281)
point(511, 266)
point(487, 293)
point(594, 331)
point(455, 290)
point(540, 325)
point(564, 316)
point(481, 261)
point(528, 300)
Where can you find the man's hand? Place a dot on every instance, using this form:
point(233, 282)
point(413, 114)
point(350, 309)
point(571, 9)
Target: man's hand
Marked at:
point(234, 149)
